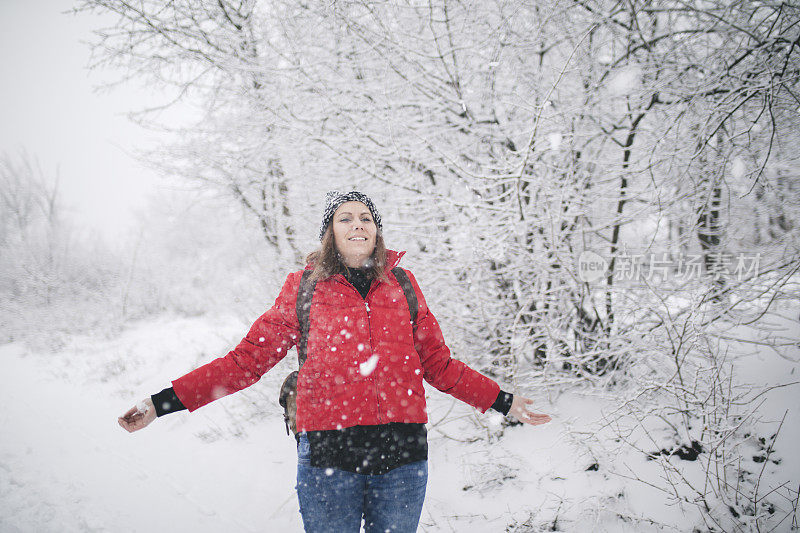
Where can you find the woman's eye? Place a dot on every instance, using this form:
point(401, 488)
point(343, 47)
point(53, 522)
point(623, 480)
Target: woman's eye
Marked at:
point(345, 219)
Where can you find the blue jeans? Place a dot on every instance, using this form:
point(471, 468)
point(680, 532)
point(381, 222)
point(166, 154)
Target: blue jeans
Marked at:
point(333, 500)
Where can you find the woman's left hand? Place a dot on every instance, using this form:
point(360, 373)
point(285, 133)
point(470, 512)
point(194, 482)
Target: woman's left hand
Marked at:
point(521, 413)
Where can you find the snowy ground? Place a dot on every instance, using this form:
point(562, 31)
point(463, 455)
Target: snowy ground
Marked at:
point(65, 464)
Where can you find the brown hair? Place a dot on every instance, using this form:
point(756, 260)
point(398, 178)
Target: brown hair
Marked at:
point(327, 262)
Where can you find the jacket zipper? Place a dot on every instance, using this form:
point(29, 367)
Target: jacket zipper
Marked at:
point(371, 344)
point(372, 347)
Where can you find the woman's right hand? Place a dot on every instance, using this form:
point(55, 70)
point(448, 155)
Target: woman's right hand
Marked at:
point(138, 416)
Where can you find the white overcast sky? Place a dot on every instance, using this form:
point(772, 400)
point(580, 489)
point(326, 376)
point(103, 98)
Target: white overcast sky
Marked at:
point(48, 108)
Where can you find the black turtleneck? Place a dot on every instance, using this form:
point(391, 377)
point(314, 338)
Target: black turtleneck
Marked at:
point(360, 278)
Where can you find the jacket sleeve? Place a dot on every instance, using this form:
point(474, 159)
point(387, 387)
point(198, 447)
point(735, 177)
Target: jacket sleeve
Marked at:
point(267, 342)
point(442, 371)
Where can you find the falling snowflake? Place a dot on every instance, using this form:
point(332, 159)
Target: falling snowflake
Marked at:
point(496, 420)
point(625, 81)
point(738, 168)
point(368, 367)
point(555, 141)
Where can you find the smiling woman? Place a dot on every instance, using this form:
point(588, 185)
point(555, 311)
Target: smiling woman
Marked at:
point(354, 233)
point(366, 340)
point(352, 238)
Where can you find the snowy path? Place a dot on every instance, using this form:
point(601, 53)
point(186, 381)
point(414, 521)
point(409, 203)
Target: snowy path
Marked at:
point(65, 465)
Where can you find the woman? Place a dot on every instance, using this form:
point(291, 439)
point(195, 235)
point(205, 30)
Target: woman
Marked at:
point(360, 419)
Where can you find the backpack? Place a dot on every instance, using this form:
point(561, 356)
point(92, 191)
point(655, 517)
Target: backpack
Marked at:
point(287, 397)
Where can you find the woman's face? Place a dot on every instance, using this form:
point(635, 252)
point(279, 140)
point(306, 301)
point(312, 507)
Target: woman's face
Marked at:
point(354, 233)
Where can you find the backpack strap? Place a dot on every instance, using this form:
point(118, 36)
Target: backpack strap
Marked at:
point(303, 307)
point(411, 296)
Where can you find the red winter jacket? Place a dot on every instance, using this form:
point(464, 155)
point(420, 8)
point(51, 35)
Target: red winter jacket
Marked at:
point(365, 362)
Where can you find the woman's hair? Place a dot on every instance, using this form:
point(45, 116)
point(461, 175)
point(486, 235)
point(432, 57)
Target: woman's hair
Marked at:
point(327, 261)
